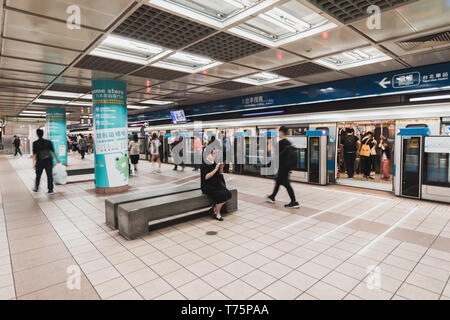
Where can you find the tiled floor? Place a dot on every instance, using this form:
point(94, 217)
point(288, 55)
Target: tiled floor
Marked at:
point(343, 243)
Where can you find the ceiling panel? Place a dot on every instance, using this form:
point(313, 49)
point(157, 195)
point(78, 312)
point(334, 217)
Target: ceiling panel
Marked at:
point(425, 14)
point(384, 66)
point(301, 69)
point(226, 47)
point(327, 76)
point(156, 26)
point(89, 74)
point(285, 84)
point(177, 86)
point(206, 90)
point(96, 14)
point(160, 74)
point(230, 70)
point(22, 84)
point(74, 81)
point(325, 43)
point(107, 65)
point(25, 76)
point(230, 85)
point(70, 88)
point(392, 26)
point(21, 49)
point(31, 66)
point(420, 42)
point(350, 10)
point(40, 30)
point(155, 91)
point(140, 81)
point(269, 59)
point(199, 79)
point(422, 59)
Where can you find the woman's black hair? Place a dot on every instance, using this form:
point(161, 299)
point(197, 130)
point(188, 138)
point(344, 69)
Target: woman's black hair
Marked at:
point(154, 136)
point(135, 137)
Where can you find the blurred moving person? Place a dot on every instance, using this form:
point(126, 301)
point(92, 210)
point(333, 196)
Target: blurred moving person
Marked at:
point(175, 143)
point(284, 169)
point(155, 151)
point(198, 148)
point(82, 146)
point(134, 149)
point(16, 144)
point(42, 160)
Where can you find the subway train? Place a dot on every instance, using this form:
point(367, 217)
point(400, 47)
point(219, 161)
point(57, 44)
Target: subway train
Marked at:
point(320, 159)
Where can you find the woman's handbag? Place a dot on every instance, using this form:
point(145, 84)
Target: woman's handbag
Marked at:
point(365, 150)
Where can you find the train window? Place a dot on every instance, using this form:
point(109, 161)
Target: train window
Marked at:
point(417, 125)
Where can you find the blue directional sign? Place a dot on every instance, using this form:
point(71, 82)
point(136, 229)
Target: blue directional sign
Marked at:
point(427, 78)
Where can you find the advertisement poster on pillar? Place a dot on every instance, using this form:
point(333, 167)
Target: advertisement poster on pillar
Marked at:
point(110, 133)
point(56, 132)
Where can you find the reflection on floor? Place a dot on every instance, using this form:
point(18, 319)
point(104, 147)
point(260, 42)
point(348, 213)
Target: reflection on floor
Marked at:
point(324, 250)
point(358, 181)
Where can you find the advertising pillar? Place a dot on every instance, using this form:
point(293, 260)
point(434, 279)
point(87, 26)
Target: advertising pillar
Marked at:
point(110, 135)
point(57, 132)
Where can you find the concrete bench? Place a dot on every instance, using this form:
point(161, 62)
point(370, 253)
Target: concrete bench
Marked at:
point(75, 171)
point(112, 204)
point(134, 217)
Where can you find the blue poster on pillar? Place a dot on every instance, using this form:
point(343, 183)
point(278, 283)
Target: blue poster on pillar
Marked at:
point(57, 132)
point(110, 133)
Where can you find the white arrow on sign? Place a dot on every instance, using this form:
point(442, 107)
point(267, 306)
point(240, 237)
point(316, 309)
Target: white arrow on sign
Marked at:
point(384, 82)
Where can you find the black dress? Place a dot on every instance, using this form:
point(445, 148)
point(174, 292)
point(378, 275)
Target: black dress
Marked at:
point(215, 186)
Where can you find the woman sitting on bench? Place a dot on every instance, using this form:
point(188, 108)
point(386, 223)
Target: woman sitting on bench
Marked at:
point(213, 183)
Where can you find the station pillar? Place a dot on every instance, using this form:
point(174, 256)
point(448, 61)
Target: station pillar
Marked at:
point(109, 98)
point(57, 132)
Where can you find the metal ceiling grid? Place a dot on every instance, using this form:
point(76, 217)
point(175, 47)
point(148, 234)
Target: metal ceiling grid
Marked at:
point(348, 11)
point(230, 85)
point(159, 73)
point(226, 47)
point(301, 70)
point(159, 27)
point(108, 65)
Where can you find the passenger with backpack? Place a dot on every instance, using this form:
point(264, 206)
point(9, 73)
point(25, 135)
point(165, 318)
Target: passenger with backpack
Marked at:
point(350, 145)
point(286, 163)
point(43, 152)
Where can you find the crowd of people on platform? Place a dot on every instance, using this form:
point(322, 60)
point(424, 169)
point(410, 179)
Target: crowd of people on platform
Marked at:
point(80, 143)
point(360, 154)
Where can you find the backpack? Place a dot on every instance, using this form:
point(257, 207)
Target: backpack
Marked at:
point(291, 157)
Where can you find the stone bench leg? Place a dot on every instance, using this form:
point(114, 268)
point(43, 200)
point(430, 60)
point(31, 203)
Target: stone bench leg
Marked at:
point(232, 204)
point(132, 226)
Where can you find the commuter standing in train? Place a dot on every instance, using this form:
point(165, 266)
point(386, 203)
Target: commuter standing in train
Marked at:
point(385, 158)
point(285, 166)
point(350, 145)
point(367, 143)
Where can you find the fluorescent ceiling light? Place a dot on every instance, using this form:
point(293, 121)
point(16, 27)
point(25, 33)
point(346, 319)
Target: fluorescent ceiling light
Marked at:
point(236, 3)
point(129, 50)
point(158, 102)
point(353, 58)
point(136, 107)
point(62, 94)
point(440, 97)
point(262, 78)
point(187, 63)
point(50, 101)
point(33, 112)
point(271, 19)
point(79, 103)
point(31, 115)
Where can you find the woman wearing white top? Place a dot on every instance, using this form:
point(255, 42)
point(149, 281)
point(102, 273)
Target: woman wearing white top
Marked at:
point(134, 149)
point(373, 157)
point(154, 151)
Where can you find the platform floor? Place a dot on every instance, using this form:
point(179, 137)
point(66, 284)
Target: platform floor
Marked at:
point(343, 243)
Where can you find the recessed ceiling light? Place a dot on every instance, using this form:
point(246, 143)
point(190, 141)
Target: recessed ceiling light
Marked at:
point(286, 23)
point(219, 14)
point(158, 102)
point(353, 58)
point(33, 112)
point(185, 62)
point(129, 50)
point(262, 78)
